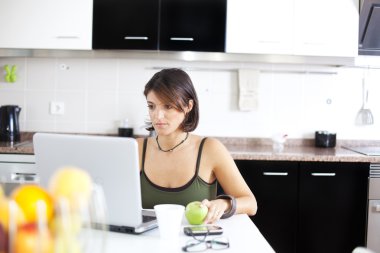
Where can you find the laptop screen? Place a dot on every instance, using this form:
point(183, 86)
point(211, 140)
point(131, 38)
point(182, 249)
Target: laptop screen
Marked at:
point(112, 162)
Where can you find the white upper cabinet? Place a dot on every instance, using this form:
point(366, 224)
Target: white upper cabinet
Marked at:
point(46, 24)
point(326, 27)
point(257, 26)
point(293, 27)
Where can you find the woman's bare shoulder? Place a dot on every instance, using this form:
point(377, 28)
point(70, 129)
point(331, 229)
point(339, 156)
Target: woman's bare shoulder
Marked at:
point(214, 143)
point(216, 154)
point(215, 147)
point(209, 141)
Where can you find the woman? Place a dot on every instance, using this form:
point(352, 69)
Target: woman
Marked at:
point(179, 167)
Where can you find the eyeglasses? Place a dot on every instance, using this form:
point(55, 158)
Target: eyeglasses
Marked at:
point(199, 243)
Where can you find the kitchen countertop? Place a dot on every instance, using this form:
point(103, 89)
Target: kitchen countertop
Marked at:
point(255, 149)
point(297, 150)
point(301, 153)
point(24, 147)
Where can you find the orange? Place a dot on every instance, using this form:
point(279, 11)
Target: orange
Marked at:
point(4, 214)
point(28, 196)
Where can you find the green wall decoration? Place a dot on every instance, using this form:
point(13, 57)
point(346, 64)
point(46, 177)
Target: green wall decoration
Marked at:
point(10, 75)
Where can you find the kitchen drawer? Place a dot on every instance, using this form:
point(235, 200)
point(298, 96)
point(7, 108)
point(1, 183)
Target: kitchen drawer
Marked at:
point(17, 158)
point(16, 170)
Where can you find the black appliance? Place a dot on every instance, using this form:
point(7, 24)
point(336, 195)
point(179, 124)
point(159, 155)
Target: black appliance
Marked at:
point(369, 29)
point(9, 123)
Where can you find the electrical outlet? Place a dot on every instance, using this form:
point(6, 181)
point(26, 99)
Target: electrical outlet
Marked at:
point(57, 108)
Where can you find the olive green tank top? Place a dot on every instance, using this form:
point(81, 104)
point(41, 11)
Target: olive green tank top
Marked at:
point(194, 190)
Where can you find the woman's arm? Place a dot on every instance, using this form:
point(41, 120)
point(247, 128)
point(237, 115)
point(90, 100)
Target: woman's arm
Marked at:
point(230, 179)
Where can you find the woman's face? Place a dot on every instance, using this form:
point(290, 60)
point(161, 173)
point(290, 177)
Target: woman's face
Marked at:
point(165, 118)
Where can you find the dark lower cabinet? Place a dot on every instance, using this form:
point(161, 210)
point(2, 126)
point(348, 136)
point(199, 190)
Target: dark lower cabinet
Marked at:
point(309, 206)
point(332, 206)
point(275, 187)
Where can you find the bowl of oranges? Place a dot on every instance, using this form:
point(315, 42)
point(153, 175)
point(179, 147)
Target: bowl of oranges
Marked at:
point(61, 218)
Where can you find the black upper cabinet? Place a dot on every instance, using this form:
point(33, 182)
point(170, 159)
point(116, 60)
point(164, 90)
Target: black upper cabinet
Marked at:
point(125, 24)
point(193, 25)
point(173, 25)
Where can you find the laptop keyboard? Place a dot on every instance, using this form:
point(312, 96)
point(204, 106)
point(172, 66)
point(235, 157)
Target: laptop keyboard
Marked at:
point(147, 218)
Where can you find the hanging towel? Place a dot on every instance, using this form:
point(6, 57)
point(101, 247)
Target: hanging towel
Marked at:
point(248, 89)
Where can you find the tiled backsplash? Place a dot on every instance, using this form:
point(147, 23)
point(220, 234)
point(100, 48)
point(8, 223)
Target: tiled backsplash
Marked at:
point(98, 93)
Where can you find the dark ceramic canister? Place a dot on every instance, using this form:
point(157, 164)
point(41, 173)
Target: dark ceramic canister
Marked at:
point(324, 139)
point(125, 132)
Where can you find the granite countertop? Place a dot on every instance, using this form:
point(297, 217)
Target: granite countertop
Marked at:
point(255, 149)
point(301, 153)
point(24, 147)
point(298, 150)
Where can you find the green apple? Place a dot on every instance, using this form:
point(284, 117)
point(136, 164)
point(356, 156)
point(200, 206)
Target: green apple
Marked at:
point(196, 212)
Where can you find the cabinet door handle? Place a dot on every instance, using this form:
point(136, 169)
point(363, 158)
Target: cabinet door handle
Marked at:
point(315, 174)
point(24, 178)
point(275, 173)
point(136, 38)
point(182, 38)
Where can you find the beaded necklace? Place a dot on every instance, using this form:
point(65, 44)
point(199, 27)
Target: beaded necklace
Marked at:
point(171, 149)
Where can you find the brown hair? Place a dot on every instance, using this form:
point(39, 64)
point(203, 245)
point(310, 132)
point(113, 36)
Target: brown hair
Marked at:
point(174, 87)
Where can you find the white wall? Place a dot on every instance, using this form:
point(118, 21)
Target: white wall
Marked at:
point(98, 93)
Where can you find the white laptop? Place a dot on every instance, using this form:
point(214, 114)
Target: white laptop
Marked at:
point(112, 162)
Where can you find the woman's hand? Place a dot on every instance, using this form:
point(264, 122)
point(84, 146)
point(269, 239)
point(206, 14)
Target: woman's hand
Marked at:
point(216, 209)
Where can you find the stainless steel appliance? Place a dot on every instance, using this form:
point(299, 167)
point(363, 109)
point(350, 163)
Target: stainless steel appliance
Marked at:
point(9, 124)
point(373, 227)
point(365, 150)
